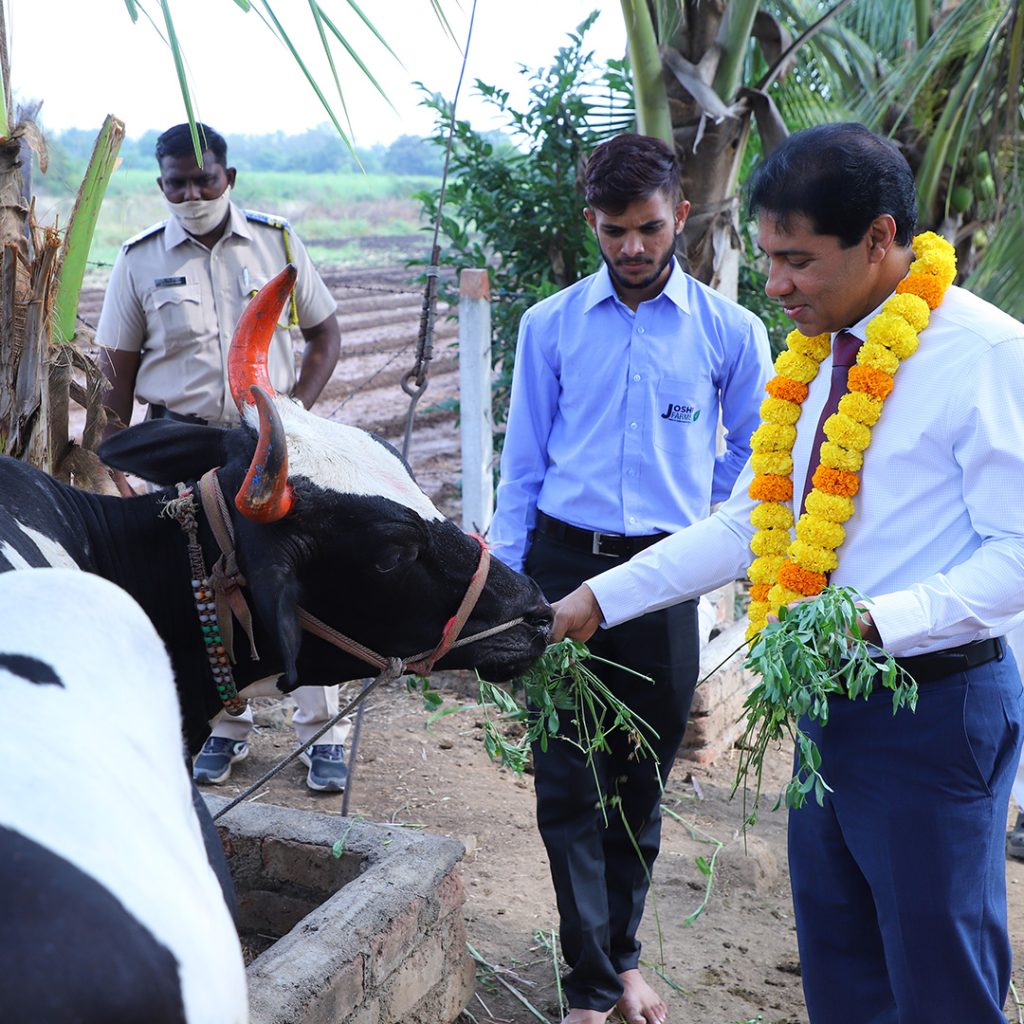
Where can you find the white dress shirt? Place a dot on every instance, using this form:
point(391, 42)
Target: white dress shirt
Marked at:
point(937, 538)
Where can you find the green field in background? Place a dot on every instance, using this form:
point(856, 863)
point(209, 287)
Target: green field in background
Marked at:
point(337, 209)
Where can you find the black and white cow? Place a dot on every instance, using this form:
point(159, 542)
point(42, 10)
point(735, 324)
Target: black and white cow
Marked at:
point(110, 910)
point(326, 517)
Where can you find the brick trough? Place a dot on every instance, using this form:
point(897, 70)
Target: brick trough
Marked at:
point(375, 935)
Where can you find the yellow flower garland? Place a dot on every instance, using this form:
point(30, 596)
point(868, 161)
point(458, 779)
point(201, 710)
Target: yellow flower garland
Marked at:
point(785, 569)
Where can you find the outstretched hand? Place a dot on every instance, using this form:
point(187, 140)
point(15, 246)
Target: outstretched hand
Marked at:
point(577, 615)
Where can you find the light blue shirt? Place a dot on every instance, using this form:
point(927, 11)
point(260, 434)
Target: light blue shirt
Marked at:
point(613, 414)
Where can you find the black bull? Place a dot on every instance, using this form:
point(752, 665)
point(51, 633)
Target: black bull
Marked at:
point(374, 561)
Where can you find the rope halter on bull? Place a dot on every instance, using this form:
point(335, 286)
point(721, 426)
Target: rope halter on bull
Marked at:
point(265, 497)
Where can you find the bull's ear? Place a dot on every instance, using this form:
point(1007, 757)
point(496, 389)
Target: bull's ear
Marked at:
point(165, 451)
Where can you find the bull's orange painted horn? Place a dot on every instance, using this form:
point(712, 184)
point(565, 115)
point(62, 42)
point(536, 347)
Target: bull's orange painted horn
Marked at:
point(247, 357)
point(265, 495)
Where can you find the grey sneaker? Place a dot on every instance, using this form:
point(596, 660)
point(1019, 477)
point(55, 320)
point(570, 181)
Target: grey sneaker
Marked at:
point(1015, 840)
point(213, 765)
point(327, 770)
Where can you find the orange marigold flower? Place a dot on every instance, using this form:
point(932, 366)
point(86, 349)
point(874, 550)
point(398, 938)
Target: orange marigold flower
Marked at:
point(759, 591)
point(802, 581)
point(768, 487)
point(787, 389)
point(871, 381)
point(926, 286)
point(836, 481)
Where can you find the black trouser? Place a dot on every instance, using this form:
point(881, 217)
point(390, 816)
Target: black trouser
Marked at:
point(600, 881)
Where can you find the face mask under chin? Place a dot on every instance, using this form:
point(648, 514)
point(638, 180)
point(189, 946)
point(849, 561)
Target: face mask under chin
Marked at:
point(201, 216)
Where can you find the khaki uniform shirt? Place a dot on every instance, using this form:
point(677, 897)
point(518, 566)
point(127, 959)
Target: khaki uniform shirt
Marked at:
point(176, 303)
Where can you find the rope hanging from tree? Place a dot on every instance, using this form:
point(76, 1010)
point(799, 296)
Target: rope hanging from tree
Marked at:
point(414, 383)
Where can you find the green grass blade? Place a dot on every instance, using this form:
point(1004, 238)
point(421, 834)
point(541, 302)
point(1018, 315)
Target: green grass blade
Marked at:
point(357, 60)
point(179, 69)
point(286, 39)
point(78, 237)
point(319, 22)
point(133, 9)
point(383, 42)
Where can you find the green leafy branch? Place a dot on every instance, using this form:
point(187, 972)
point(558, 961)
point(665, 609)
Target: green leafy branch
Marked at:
point(814, 651)
point(559, 688)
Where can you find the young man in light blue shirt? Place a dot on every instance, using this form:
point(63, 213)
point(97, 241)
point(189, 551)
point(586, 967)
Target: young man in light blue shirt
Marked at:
point(619, 383)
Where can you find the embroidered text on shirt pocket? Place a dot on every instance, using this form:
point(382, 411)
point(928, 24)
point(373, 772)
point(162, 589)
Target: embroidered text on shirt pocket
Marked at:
point(681, 412)
point(180, 313)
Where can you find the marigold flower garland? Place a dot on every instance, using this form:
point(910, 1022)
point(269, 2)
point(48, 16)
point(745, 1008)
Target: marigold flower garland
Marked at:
point(785, 569)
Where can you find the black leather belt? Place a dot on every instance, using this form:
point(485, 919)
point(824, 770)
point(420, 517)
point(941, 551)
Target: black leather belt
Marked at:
point(936, 665)
point(161, 412)
point(610, 545)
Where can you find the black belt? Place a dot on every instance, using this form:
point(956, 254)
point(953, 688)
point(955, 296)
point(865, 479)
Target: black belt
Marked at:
point(925, 668)
point(610, 545)
point(161, 412)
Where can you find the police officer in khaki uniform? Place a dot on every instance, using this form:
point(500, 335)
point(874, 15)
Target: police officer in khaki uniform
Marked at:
point(175, 294)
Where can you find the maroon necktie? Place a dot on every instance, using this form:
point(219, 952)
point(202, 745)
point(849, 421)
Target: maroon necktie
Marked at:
point(845, 347)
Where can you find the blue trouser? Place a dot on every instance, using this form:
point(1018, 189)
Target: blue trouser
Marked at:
point(899, 881)
point(601, 822)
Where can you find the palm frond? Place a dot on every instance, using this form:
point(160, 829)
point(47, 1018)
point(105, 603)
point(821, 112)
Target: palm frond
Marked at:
point(997, 275)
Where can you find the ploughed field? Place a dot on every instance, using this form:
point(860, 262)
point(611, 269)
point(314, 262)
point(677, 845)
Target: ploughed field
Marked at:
point(379, 313)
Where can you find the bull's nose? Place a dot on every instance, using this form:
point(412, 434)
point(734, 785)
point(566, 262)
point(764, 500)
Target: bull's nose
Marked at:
point(540, 616)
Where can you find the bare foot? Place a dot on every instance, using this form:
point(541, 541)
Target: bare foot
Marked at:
point(586, 1017)
point(639, 1003)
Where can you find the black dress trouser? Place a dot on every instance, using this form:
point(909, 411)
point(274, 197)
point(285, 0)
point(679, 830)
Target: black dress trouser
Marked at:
point(600, 881)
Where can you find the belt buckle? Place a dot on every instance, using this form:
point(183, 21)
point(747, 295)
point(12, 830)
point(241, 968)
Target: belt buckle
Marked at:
point(595, 547)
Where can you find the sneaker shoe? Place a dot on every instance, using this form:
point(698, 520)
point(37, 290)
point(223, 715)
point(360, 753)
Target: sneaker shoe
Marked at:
point(213, 765)
point(326, 763)
point(1015, 840)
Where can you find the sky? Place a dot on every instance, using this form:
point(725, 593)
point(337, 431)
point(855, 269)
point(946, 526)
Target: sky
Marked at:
point(85, 59)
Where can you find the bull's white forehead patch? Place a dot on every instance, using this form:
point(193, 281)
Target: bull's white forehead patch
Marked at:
point(347, 460)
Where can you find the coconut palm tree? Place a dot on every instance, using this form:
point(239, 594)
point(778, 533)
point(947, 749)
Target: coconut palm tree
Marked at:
point(944, 77)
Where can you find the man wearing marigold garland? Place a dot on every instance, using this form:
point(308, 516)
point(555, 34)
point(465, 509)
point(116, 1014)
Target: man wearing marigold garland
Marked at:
point(619, 380)
point(898, 878)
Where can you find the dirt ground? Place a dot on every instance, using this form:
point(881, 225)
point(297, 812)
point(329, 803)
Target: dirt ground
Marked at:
point(737, 962)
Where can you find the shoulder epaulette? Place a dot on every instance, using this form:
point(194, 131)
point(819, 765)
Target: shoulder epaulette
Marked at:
point(142, 235)
point(267, 218)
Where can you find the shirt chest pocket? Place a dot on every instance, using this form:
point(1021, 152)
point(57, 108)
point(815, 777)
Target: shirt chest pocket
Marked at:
point(178, 312)
point(685, 411)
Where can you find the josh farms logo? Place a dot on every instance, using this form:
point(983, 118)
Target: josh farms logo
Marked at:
point(676, 413)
